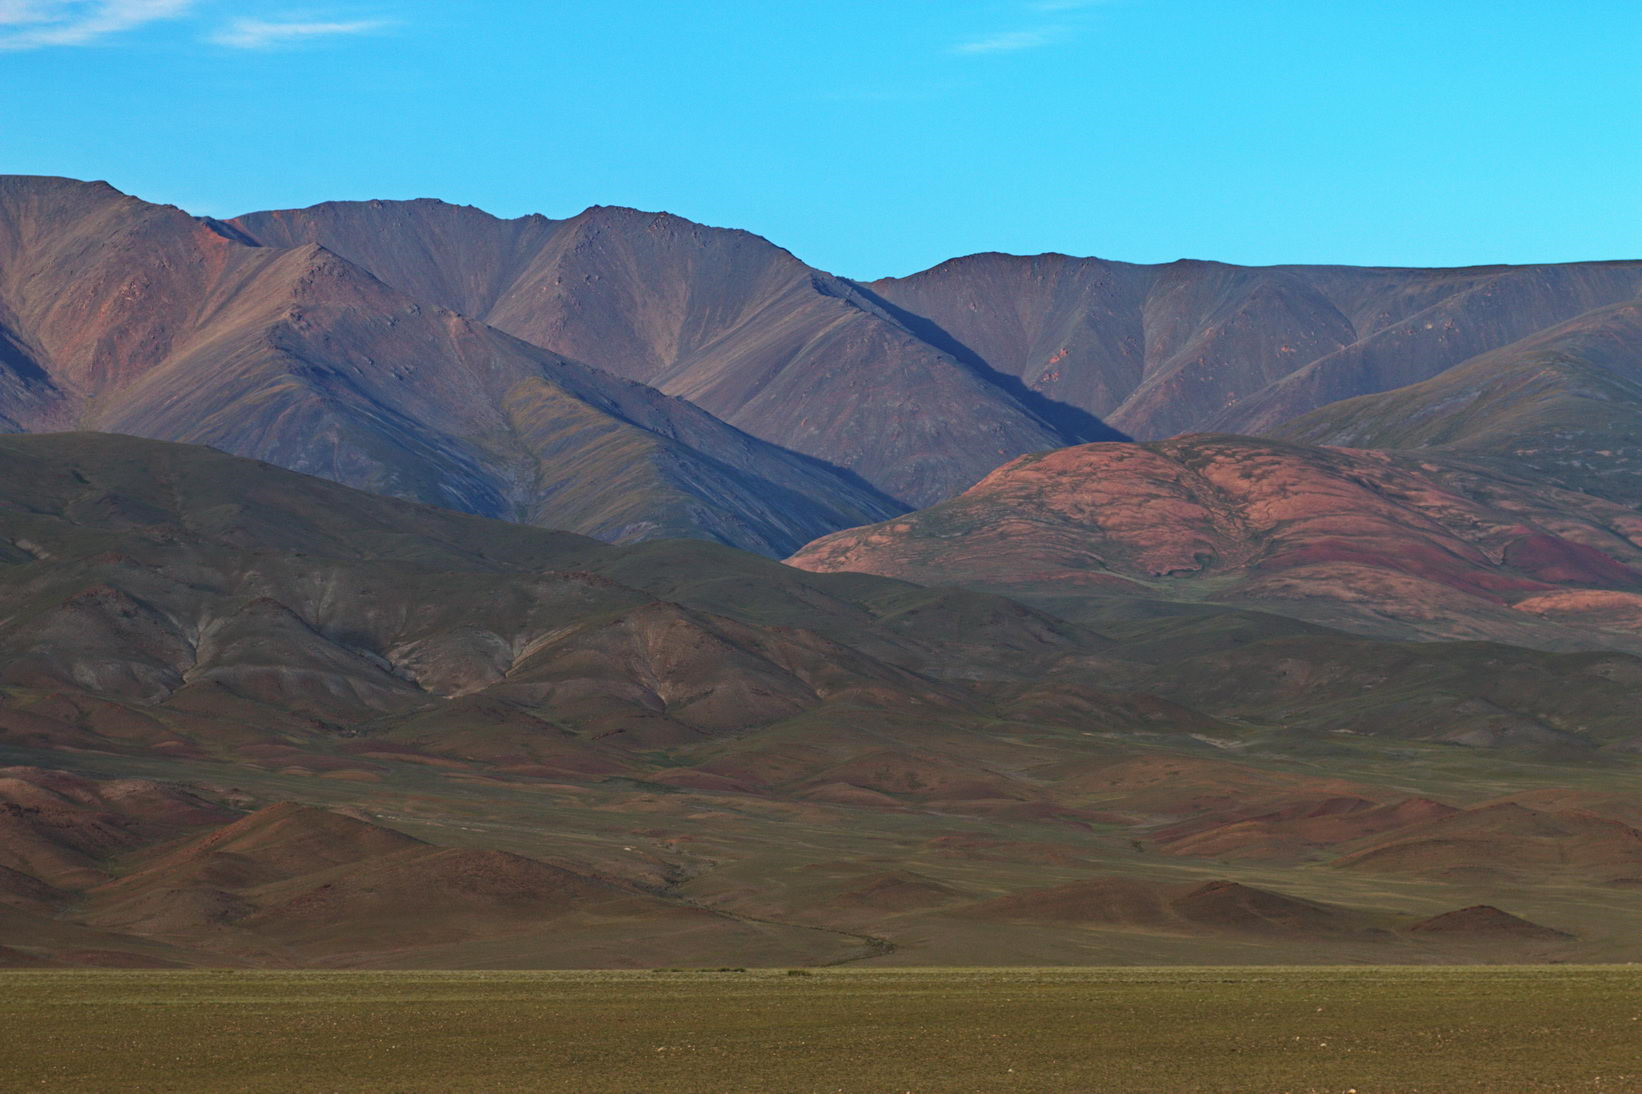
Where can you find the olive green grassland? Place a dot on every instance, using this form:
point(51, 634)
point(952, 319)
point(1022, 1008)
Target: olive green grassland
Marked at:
point(1377, 1030)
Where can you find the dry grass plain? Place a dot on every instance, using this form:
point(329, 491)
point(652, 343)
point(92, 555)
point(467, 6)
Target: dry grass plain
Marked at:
point(1055, 1031)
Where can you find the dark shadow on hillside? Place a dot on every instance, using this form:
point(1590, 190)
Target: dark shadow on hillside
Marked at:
point(1074, 424)
point(16, 360)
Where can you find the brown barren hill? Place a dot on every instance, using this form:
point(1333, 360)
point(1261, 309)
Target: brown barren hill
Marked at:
point(1354, 538)
point(1506, 841)
point(896, 892)
point(294, 884)
point(22, 890)
point(1294, 831)
point(434, 896)
point(275, 843)
point(1193, 908)
point(175, 599)
point(62, 844)
point(313, 885)
point(1484, 922)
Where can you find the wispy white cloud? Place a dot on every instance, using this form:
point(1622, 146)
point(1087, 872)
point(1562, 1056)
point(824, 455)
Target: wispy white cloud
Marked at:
point(35, 24)
point(1047, 23)
point(1011, 41)
point(267, 34)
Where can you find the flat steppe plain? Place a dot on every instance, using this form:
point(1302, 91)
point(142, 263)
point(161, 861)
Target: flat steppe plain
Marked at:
point(1368, 1029)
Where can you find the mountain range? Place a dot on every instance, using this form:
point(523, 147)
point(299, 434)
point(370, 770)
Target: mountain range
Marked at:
point(434, 352)
point(1130, 613)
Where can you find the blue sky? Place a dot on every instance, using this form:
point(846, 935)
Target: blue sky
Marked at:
point(878, 137)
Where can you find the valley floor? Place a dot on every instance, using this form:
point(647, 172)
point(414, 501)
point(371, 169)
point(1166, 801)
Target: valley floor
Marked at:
point(1378, 1029)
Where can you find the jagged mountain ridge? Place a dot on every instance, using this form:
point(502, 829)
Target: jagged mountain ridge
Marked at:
point(1085, 346)
point(127, 317)
point(435, 352)
point(791, 354)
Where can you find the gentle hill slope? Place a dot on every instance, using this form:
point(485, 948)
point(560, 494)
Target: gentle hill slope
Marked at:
point(1369, 541)
point(1564, 404)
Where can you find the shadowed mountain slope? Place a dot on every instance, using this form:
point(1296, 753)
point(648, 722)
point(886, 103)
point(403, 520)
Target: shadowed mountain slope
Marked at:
point(167, 575)
point(723, 318)
point(127, 317)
